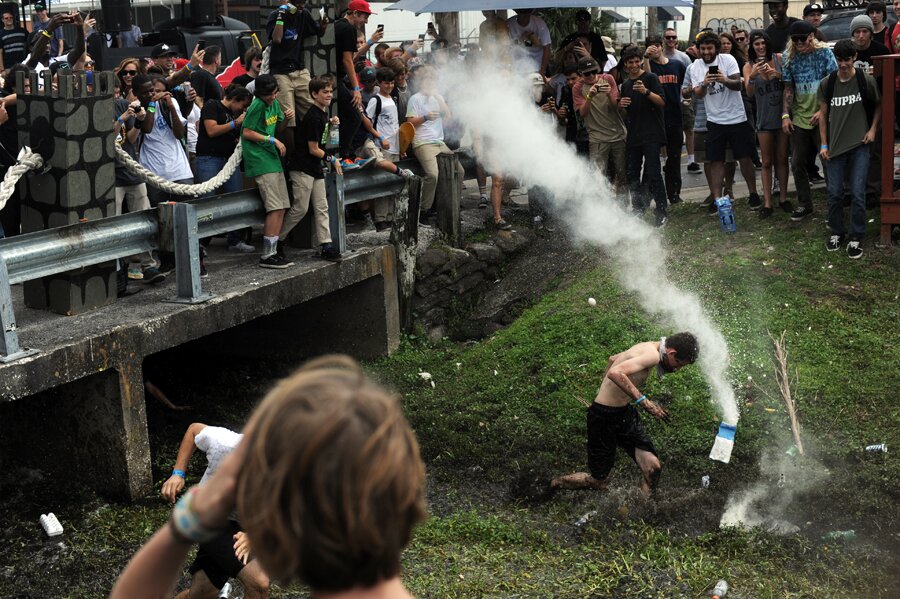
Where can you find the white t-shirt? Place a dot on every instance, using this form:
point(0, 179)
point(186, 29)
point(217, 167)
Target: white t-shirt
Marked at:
point(429, 132)
point(537, 26)
point(388, 120)
point(192, 133)
point(216, 442)
point(611, 63)
point(723, 106)
point(162, 152)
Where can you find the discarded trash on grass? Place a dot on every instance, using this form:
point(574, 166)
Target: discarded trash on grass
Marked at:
point(51, 525)
point(584, 519)
point(592, 302)
point(724, 443)
point(426, 376)
point(880, 448)
point(840, 535)
point(704, 481)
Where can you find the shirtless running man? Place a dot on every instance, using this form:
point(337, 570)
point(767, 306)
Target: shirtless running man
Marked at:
point(613, 417)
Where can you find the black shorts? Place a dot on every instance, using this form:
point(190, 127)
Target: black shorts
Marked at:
point(739, 137)
point(608, 427)
point(217, 558)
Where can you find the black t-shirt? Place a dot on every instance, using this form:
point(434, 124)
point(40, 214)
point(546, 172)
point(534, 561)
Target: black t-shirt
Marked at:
point(645, 119)
point(780, 35)
point(9, 138)
point(287, 56)
point(671, 76)
point(344, 41)
point(566, 99)
point(223, 145)
point(12, 42)
point(206, 85)
point(310, 128)
point(598, 48)
point(242, 80)
point(123, 177)
point(864, 57)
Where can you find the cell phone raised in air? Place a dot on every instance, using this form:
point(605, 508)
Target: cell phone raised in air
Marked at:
point(714, 70)
point(421, 37)
point(381, 27)
point(201, 45)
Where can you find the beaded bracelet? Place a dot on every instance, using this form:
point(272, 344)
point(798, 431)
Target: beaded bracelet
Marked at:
point(186, 522)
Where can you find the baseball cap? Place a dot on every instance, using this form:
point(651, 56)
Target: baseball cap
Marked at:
point(811, 8)
point(38, 7)
point(801, 28)
point(587, 64)
point(160, 50)
point(367, 74)
point(536, 79)
point(360, 6)
point(582, 15)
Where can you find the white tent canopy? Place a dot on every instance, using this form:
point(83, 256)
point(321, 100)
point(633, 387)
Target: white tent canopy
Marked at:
point(420, 6)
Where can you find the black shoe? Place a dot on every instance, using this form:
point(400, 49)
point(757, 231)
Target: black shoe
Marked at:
point(834, 243)
point(765, 213)
point(274, 261)
point(675, 199)
point(754, 202)
point(786, 206)
point(331, 254)
point(279, 250)
point(712, 209)
point(152, 275)
point(661, 219)
point(801, 212)
point(853, 250)
point(502, 225)
point(708, 200)
point(816, 178)
point(694, 168)
point(203, 272)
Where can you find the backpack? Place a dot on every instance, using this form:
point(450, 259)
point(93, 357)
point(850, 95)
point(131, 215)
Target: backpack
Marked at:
point(377, 111)
point(868, 103)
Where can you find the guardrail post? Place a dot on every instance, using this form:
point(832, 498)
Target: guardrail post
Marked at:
point(334, 191)
point(9, 340)
point(405, 238)
point(447, 197)
point(186, 241)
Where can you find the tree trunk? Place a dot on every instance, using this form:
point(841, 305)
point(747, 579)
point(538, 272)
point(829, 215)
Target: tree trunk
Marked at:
point(652, 21)
point(695, 21)
point(447, 25)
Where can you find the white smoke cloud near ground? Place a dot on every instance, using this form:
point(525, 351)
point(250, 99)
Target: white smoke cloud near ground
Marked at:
point(524, 144)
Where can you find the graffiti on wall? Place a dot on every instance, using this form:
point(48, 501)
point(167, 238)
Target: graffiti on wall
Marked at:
point(724, 24)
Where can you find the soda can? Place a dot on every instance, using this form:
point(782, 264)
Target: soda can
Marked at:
point(704, 482)
point(880, 448)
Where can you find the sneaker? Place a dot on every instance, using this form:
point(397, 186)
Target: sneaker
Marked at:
point(331, 254)
point(538, 222)
point(708, 200)
point(786, 206)
point(152, 275)
point(801, 212)
point(816, 179)
point(502, 225)
point(279, 250)
point(728, 192)
point(483, 202)
point(274, 261)
point(675, 199)
point(661, 220)
point(241, 246)
point(834, 243)
point(364, 162)
point(383, 225)
point(349, 165)
point(776, 187)
point(134, 272)
point(853, 250)
point(712, 209)
point(406, 173)
point(694, 168)
point(754, 202)
point(765, 213)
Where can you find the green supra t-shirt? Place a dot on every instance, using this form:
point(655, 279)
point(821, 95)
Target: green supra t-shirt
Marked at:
point(261, 158)
point(847, 121)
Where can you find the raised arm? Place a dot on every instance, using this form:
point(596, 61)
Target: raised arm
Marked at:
point(175, 484)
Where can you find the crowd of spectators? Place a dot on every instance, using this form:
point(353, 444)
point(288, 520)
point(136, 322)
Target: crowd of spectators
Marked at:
point(731, 99)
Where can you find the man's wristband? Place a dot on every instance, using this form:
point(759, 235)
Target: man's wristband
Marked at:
point(277, 23)
point(271, 140)
point(358, 88)
point(824, 147)
point(785, 116)
point(151, 107)
point(329, 158)
point(587, 97)
point(233, 126)
point(177, 472)
point(185, 522)
point(639, 400)
point(369, 42)
point(46, 34)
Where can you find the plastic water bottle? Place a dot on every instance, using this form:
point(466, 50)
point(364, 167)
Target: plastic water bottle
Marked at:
point(720, 589)
point(880, 448)
point(584, 519)
point(225, 593)
point(726, 214)
point(334, 137)
point(704, 481)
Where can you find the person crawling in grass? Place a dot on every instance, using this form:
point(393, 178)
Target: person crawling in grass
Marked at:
point(613, 419)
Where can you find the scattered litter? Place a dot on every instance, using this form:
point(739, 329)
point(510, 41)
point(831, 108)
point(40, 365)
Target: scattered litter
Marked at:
point(584, 519)
point(495, 373)
point(781, 480)
point(771, 410)
point(724, 443)
point(782, 528)
point(51, 525)
point(592, 302)
point(720, 589)
point(831, 266)
point(880, 448)
point(792, 451)
point(459, 365)
point(840, 535)
point(225, 593)
point(426, 376)
point(871, 220)
point(704, 481)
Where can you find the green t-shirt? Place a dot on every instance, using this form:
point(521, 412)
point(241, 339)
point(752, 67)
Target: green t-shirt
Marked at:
point(261, 158)
point(847, 121)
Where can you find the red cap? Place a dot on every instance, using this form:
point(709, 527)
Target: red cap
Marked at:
point(360, 6)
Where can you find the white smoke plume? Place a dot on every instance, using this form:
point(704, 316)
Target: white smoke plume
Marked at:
point(521, 142)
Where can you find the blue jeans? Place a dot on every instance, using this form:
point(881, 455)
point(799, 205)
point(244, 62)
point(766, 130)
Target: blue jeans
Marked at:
point(646, 155)
point(855, 165)
point(208, 167)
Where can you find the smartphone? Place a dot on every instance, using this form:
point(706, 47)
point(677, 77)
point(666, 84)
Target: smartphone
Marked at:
point(201, 45)
point(186, 86)
point(381, 27)
point(714, 70)
point(430, 25)
point(421, 37)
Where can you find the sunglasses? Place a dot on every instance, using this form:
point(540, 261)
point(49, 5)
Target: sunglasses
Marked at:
point(739, 39)
point(671, 37)
point(798, 38)
point(89, 63)
point(128, 73)
point(590, 74)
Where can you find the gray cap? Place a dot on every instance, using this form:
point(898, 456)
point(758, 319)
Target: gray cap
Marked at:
point(861, 21)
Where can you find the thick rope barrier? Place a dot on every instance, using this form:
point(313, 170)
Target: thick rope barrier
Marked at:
point(266, 57)
point(25, 161)
point(181, 189)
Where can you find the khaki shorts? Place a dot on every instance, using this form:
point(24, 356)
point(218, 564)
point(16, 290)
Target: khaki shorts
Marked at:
point(370, 149)
point(274, 191)
point(293, 93)
point(700, 149)
point(687, 116)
